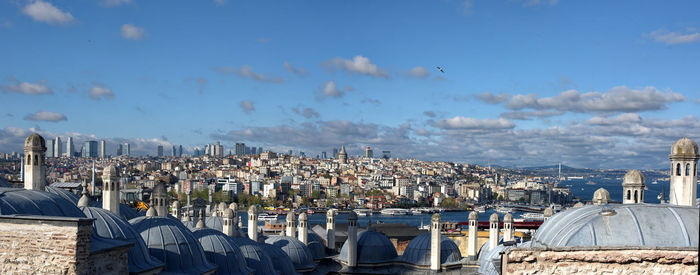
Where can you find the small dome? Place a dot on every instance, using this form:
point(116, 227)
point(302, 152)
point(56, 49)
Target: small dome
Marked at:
point(221, 251)
point(473, 216)
point(233, 206)
point(228, 213)
point(291, 217)
point(684, 147)
point(436, 218)
point(255, 257)
point(578, 204)
point(38, 142)
point(601, 196)
point(303, 217)
point(172, 243)
point(548, 212)
point(253, 210)
point(493, 218)
point(296, 250)
point(109, 225)
point(109, 172)
point(633, 178)
point(281, 261)
point(316, 246)
point(508, 218)
point(418, 250)
point(17, 201)
point(222, 206)
point(372, 247)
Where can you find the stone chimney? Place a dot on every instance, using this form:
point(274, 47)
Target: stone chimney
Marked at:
point(291, 224)
point(110, 189)
point(330, 229)
point(508, 228)
point(493, 231)
point(352, 239)
point(303, 228)
point(253, 223)
point(472, 239)
point(435, 242)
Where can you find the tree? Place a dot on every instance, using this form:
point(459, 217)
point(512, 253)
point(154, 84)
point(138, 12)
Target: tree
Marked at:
point(448, 203)
point(315, 194)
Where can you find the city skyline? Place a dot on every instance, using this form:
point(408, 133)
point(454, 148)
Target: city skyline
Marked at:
point(525, 83)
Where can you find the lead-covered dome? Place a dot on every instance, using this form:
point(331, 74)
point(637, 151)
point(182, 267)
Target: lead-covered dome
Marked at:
point(280, 260)
point(418, 250)
point(172, 243)
point(621, 225)
point(68, 195)
point(20, 201)
point(255, 257)
point(316, 246)
point(126, 212)
point(109, 225)
point(221, 251)
point(300, 255)
point(684, 147)
point(633, 178)
point(372, 247)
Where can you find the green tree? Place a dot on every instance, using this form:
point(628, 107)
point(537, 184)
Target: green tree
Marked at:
point(315, 194)
point(448, 203)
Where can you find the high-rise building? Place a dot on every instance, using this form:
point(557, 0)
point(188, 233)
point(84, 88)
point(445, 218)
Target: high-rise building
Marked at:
point(290, 153)
point(240, 149)
point(90, 149)
point(174, 152)
point(335, 153)
point(218, 150)
point(58, 148)
point(179, 151)
point(160, 150)
point(386, 154)
point(127, 149)
point(103, 149)
point(323, 155)
point(247, 150)
point(368, 152)
point(70, 148)
point(50, 146)
point(253, 150)
point(120, 149)
point(260, 150)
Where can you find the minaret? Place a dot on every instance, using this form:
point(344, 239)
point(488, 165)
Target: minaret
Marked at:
point(253, 223)
point(303, 228)
point(159, 200)
point(435, 242)
point(601, 196)
point(200, 223)
point(229, 222)
point(633, 187)
point(493, 231)
point(548, 212)
point(342, 155)
point(508, 228)
point(176, 209)
point(684, 172)
point(472, 241)
point(352, 239)
point(234, 208)
point(34, 166)
point(330, 229)
point(110, 189)
point(291, 224)
point(93, 178)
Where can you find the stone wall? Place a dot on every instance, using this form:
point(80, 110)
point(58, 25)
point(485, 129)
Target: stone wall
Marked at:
point(44, 245)
point(113, 261)
point(601, 261)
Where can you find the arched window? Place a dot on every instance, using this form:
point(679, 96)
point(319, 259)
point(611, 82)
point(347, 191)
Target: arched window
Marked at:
point(636, 197)
point(687, 169)
point(629, 194)
point(678, 169)
point(106, 186)
point(36, 159)
point(29, 160)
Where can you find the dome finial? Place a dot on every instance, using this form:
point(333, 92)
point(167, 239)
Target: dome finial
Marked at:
point(84, 199)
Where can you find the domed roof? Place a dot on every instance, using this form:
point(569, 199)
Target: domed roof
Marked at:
point(296, 250)
point(172, 243)
point(32, 202)
point(684, 147)
point(255, 257)
point(372, 247)
point(548, 212)
point(493, 218)
point(633, 178)
point(221, 251)
point(601, 196)
point(418, 250)
point(68, 195)
point(291, 216)
point(228, 213)
point(222, 206)
point(109, 172)
point(233, 206)
point(472, 215)
point(489, 259)
point(110, 226)
point(316, 246)
point(125, 211)
point(303, 216)
point(508, 218)
point(215, 222)
point(647, 225)
point(35, 140)
point(282, 263)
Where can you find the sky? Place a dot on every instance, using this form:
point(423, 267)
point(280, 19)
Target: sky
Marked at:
point(596, 84)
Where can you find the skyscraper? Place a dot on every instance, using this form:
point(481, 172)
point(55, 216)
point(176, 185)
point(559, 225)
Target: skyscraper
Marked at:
point(179, 151)
point(58, 148)
point(174, 152)
point(386, 154)
point(335, 153)
point(253, 150)
point(70, 148)
point(368, 152)
point(127, 149)
point(240, 149)
point(90, 149)
point(50, 146)
point(102, 149)
point(160, 150)
point(323, 155)
point(119, 149)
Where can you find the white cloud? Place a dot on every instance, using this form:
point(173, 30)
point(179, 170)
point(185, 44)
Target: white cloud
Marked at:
point(492, 98)
point(306, 112)
point(617, 99)
point(247, 106)
point(114, 3)
point(130, 31)
point(99, 91)
point(47, 13)
point(621, 119)
point(46, 116)
point(358, 65)
point(468, 123)
point(297, 71)
point(329, 89)
point(419, 72)
point(247, 71)
point(37, 88)
point(673, 38)
point(525, 115)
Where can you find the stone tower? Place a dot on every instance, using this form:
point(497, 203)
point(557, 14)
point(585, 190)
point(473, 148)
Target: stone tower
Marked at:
point(633, 187)
point(291, 224)
point(330, 229)
point(229, 222)
point(304, 228)
point(253, 223)
point(472, 239)
point(435, 242)
point(508, 228)
point(342, 155)
point(234, 207)
point(684, 172)
point(493, 231)
point(110, 189)
point(159, 200)
point(352, 239)
point(34, 166)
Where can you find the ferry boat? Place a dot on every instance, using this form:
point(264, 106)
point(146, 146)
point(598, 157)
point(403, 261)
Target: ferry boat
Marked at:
point(654, 182)
point(416, 212)
point(362, 212)
point(504, 210)
point(532, 216)
point(394, 212)
point(480, 209)
point(267, 217)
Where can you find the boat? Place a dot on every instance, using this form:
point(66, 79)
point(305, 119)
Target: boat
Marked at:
point(504, 210)
point(590, 183)
point(310, 212)
point(394, 212)
point(267, 217)
point(532, 216)
point(654, 182)
point(416, 212)
point(480, 209)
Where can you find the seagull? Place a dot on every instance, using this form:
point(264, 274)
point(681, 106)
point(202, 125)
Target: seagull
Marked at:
point(441, 70)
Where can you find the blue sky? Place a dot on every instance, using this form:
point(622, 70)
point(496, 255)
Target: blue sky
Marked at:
point(588, 83)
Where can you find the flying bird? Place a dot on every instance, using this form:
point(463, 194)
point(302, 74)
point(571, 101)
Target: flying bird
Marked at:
point(441, 70)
